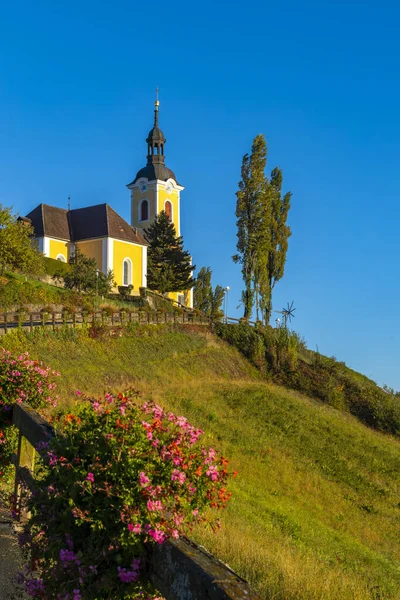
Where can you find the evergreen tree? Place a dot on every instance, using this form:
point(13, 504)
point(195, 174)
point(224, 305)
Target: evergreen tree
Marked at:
point(205, 298)
point(263, 234)
point(17, 251)
point(169, 267)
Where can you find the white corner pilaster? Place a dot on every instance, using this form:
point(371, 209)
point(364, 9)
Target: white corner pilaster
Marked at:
point(46, 246)
point(110, 254)
point(144, 266)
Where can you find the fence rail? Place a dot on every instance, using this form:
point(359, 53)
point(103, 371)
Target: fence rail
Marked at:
point(179, 569)
point(55, 320)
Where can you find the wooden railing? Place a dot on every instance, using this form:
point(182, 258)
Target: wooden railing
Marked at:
point(13, 320)
point(179, 569)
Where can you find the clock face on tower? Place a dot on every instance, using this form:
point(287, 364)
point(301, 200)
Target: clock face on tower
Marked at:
point(143, 188)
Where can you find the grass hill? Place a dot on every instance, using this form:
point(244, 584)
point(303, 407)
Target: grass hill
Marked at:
point(315, 509)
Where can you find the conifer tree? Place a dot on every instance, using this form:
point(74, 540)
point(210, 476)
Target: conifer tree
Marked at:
point(169, 267)
point(205, 298)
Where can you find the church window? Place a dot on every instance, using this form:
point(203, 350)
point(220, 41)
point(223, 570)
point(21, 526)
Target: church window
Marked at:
point(61, 258)
point(168, 209)
point(127, 272)
point(144, 210)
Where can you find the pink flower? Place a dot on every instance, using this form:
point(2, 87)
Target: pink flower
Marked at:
point(78, 393)
point(96, 406)
point(144, 480)
point(135, 528)
point(178, 476)
point(212, 472)
point(154, 505)
point(90, 477)
point(157, 535)
point(175, 533)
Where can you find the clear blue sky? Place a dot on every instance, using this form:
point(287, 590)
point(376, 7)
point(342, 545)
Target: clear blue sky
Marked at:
point(319, 79)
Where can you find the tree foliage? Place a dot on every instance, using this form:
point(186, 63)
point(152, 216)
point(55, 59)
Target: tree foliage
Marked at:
point(85, 277)
point(262, 231)
point(17, 251)
point(205, 298)
point(169, 267)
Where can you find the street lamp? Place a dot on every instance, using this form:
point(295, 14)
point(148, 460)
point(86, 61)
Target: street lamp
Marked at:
point(226, 303)
point(97, 288)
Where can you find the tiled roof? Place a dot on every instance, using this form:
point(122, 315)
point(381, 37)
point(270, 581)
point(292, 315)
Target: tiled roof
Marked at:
point(83, 224)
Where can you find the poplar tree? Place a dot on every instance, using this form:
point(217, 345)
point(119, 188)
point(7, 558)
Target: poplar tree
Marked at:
point(249, 211)
point(262, 233)
point(279, 239)
point(169, 267)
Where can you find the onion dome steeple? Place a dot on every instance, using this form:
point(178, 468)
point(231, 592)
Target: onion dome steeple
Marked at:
point(156, 139)
point(155, 168)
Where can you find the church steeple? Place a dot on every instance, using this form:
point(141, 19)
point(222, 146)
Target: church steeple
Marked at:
point(156, 139)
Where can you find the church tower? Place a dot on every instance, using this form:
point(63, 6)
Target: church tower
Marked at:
point(155, 187)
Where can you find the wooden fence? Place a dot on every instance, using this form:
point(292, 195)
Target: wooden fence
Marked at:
point(55, 320)
point(179, 569)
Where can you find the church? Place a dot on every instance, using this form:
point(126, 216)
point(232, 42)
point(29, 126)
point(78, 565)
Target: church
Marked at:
point(101, 233)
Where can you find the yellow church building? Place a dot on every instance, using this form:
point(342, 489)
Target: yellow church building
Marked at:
point(100, 233)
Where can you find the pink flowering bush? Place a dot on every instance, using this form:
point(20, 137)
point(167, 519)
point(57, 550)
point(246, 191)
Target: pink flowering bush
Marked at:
point(119, 478)
point(21, 380)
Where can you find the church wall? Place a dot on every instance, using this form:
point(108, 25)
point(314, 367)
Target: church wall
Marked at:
point(136, 197)
point(57, 247)
point(173, 197)
point(137, 254)
point(92, 249)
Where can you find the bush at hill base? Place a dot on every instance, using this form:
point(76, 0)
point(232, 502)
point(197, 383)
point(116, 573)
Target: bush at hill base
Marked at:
point(21, 380)
point(119, 478)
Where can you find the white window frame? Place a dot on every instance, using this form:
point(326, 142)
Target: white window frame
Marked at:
point(61, 258)
point(130, 271)
point(140, 220)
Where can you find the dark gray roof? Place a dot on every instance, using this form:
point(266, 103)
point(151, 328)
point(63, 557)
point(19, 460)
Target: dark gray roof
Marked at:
point(154, 171)
point(82, 224)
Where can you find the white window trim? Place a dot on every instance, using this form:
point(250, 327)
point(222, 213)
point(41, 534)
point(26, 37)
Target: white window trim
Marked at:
point(140, 210)
point(61, 258)
point(130, 271)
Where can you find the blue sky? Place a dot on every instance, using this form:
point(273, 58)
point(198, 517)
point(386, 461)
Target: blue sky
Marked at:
point(319, 79)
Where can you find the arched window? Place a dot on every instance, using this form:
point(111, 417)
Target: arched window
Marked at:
point(168, 209)
point(61, 258)
point(144, 211)
point(127, 272)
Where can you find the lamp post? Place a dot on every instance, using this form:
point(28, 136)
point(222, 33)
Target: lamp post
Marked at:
point(97, 288)
point(226, 303)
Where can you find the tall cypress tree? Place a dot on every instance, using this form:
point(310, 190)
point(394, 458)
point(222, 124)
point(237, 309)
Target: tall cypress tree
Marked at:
point(262, 234)
point(169, 267)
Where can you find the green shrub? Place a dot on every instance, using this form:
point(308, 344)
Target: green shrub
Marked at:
point(55, 267)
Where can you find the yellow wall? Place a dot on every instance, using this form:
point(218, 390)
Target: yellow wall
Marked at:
point(173, 197)
point(150, 195)
point(57, 247)
point(93, 249)
point(136, 197)
point(124, 250)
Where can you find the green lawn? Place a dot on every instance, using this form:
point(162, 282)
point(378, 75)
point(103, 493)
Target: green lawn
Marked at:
point(315, 508)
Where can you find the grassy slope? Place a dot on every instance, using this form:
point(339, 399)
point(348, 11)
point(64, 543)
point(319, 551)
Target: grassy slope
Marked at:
point(315, 508)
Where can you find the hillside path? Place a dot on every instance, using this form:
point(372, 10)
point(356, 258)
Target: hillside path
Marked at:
point(10, 558)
